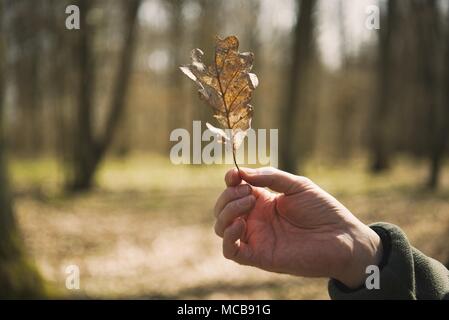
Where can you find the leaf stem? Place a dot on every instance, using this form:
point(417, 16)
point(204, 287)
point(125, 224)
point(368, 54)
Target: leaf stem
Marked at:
point(235, 161)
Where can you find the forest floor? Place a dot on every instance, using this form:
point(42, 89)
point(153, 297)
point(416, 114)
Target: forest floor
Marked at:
point(145, 231)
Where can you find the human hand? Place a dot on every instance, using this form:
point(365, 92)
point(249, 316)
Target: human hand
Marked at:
point(300, 230)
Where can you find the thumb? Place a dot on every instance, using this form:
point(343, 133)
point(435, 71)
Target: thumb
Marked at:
point(275, 179)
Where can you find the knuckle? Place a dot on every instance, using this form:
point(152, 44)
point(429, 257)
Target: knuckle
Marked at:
point(222, 200)
point(234, 192)
point(215, 211)
point(230, 207)
point(217, 229)
point(228, 192)
point(226, 254)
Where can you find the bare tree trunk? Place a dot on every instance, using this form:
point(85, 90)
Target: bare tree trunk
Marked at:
point(440, 111)
point(84, 148)
point(90, 151)
point(26, 39)
point(254, 45)
point(122, 77)
point(18, 279)
point(342, 33)
point(297, 76)
point(176, 111)
point(379, 125)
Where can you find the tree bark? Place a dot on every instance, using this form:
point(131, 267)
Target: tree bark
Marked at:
point(297, 76)
point(27, 137)
point(18, 279)
point(89, 151)
point(379, 123)
point(84, 147)
point(176, 113)
point(440, 111)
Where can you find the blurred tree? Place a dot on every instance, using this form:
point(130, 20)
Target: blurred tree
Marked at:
point(18, 279)
point(380, 152)
point(85, 150)
point(441, 133)
point(252, 38)
point(298, 73)
point(343, 41)
point(60, 76)
point(345, 104)
point(25, 40)
point(176, 103)
point(435, 83)
point(88, 150)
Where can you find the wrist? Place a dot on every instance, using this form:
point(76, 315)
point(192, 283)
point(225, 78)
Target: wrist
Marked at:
point(366, 250)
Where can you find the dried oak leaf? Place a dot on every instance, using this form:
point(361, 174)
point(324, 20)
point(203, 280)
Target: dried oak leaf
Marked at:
point(227, 86)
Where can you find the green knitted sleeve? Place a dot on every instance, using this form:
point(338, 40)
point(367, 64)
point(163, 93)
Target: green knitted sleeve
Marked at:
point(405, 272)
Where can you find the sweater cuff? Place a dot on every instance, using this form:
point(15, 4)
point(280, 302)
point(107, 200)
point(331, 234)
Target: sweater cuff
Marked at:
point(396, 278)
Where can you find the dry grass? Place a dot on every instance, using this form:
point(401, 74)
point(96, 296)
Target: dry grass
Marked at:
point(146, 230)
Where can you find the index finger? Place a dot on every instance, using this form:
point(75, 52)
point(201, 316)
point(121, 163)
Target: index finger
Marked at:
point(232, 178)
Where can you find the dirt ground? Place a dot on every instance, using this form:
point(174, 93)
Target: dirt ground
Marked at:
point(146, 230)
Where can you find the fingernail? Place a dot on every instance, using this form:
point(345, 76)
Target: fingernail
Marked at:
point(245, 202)
point(259, 172)
point(249, 171)
point(243, 190)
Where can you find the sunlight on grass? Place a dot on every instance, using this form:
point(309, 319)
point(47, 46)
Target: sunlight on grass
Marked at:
point(354, 178)
point(42, 173)
point(156, 172)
